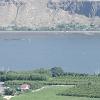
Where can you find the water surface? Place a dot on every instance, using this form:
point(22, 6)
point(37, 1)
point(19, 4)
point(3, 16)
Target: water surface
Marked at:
point(73, 53)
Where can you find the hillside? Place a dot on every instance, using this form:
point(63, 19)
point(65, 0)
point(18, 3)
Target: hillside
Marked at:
point(46, 13)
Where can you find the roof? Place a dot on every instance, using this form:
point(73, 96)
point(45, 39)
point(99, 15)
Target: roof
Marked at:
point(1, 83)
point(25, 86)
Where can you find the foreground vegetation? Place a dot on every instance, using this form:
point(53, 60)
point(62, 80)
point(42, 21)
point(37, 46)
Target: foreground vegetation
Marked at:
point(83, 90)
point(59, 27)
point(50, 94)
point(1, 98)
point(85, 85)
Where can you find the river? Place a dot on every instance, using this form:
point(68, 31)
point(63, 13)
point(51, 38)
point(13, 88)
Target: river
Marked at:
point(74, 53)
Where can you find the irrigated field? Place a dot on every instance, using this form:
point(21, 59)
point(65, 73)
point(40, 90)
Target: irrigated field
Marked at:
point(50, 93)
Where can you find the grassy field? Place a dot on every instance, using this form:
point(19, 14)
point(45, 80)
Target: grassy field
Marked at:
point(1, 98)
point(50, 94)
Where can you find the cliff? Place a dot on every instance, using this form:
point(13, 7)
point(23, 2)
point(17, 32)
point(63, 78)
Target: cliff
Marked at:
point(47, 13)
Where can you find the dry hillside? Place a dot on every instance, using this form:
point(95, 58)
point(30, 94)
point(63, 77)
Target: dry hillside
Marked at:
point(35, 13)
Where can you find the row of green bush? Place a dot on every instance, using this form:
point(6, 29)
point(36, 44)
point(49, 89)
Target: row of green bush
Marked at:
point(21, 76)
point(59, 27)
point(83, 90)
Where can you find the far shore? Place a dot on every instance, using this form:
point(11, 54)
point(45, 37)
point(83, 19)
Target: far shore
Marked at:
point(51, 32)
point(28, 34)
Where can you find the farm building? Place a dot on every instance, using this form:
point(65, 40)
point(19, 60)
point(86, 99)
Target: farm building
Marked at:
point(25, 87)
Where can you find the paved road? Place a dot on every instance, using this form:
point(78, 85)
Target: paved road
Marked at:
point(51, 86)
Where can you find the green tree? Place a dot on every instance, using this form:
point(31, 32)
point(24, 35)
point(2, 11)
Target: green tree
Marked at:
point(57, 71)
point(9, 91)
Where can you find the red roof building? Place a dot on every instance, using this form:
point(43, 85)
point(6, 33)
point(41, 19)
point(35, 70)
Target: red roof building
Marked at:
point(24, 87)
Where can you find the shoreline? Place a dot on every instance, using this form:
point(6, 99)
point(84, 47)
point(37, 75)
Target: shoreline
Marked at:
point(51, 32)
point(16, 35)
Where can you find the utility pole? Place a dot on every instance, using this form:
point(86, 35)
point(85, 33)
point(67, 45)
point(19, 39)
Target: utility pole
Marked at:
point(98, 71)
point(2, 69)
point(8, 69)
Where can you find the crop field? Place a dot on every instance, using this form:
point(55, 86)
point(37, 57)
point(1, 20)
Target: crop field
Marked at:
point(50, 94)
point(55, 84)
point(83, 90)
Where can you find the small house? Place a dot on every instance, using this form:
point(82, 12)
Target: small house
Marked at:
point(25, 87)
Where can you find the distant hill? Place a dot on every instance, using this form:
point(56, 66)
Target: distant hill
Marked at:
point(82, 7)
point(47, 13)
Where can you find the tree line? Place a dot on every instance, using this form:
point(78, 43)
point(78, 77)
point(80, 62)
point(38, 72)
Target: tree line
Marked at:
point(38, 74)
